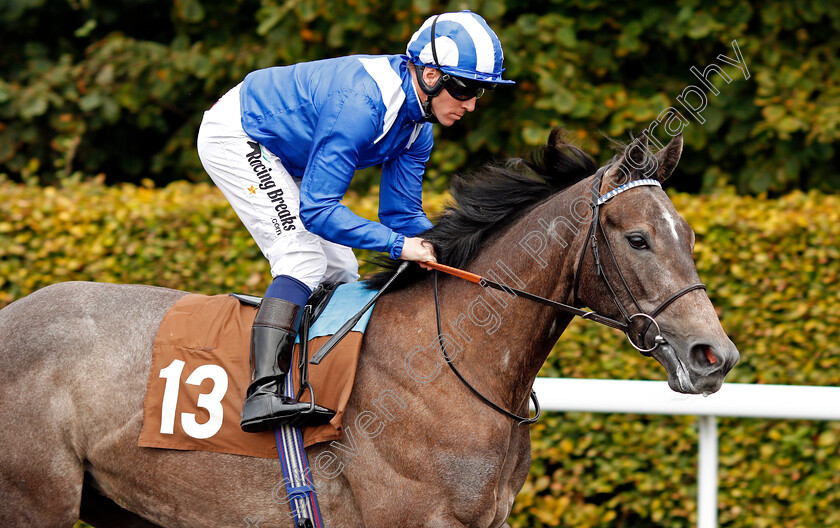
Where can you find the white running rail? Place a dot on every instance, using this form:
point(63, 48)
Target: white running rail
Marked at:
point(654, 397)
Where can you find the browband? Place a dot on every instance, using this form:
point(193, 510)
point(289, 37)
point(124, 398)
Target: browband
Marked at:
point(627, 187)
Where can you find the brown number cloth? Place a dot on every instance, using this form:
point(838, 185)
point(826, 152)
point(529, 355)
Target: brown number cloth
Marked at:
point(202, 330)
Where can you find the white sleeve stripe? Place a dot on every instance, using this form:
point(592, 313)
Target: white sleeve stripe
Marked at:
point(390, 86)
point(418, 127)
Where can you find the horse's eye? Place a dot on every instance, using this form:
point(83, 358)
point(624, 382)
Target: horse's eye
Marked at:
point(637, 242)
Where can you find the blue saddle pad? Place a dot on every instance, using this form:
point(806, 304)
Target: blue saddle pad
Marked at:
point(345, 302)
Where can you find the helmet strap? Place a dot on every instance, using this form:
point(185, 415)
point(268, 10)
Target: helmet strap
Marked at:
point(427, 111)
point(430, 91)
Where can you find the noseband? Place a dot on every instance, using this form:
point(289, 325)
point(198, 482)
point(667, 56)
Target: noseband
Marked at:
point(592, 236)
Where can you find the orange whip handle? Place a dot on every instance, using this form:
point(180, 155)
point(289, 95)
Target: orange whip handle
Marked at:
point(466, 275)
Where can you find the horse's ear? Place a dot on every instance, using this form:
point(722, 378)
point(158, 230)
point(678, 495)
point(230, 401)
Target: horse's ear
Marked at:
point(637, 157)
point(668, 158)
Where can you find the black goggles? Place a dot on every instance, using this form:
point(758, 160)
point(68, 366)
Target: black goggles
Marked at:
point(464, 89)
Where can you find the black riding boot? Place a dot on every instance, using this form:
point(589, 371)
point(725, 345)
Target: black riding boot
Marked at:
point(272, 341)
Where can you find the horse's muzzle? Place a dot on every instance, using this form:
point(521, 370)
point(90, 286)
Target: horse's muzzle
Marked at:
point(698, 369)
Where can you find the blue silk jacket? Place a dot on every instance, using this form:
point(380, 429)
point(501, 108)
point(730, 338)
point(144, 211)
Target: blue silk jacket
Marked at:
point(328, 118)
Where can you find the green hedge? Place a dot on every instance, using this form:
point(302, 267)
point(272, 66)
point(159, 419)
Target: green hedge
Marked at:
point(771, 267)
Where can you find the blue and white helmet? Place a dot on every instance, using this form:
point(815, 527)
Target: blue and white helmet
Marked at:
point(464, 47)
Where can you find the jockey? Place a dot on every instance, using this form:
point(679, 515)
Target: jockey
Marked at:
point(283, 145)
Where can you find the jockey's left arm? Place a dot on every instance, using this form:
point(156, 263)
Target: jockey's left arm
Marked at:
point(401, 188)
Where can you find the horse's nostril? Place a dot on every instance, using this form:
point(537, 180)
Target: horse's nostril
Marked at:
point(703, 356)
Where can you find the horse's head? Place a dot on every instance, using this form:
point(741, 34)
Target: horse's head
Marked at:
point(638, 260)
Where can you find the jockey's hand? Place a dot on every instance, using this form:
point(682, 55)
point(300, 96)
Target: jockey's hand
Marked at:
point(418, 250)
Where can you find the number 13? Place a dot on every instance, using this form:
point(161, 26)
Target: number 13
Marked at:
point(212, 401)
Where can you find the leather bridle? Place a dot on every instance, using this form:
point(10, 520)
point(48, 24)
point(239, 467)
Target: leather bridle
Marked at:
point(592, 236)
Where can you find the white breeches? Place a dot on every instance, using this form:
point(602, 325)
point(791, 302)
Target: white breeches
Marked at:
point(267, 199)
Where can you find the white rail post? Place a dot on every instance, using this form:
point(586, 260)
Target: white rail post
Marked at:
point(798, 402)
point(707, 477)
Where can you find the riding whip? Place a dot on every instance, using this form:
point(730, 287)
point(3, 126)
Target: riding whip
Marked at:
point(346, 327)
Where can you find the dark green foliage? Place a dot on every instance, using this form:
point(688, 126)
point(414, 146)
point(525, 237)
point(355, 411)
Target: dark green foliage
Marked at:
point(119, 88)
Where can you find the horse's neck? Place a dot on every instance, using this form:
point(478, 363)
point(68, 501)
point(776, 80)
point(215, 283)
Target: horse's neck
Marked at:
point(510, 338)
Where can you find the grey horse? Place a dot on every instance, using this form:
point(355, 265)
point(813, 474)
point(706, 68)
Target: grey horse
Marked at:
point(75, 357)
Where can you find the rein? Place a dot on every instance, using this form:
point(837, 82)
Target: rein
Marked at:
point(502, 410)
point(486, 283)
point(592, 236)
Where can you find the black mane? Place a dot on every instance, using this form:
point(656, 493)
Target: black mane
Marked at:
point(488, 198)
